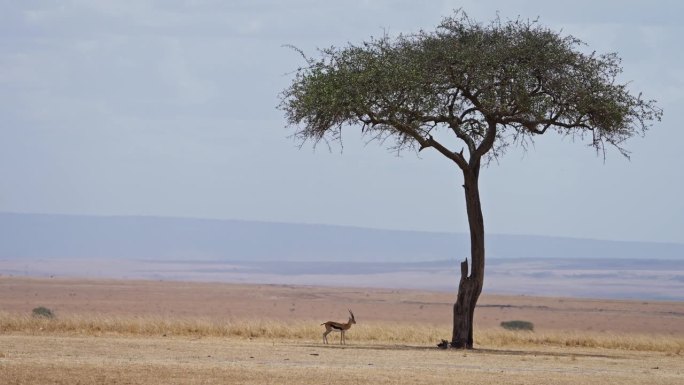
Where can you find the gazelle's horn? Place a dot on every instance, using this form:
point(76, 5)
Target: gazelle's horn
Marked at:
point(350, 312)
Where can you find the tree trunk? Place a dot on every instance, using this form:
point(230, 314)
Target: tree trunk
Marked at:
point(470, 286)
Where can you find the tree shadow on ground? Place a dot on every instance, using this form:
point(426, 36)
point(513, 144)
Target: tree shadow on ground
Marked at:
point(504, 352)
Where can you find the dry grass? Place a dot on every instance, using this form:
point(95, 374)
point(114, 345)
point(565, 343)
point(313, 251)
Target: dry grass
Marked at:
point(636, 342)
point(154, 360)
point(368, 333)
point(158, 333)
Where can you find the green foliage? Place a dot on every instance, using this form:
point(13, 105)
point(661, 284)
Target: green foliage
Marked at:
point(43, 312)
point(489, 85)
point(517, 325)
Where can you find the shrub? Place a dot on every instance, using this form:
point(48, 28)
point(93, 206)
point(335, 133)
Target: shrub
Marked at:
point(517, 325)
point(43, 312)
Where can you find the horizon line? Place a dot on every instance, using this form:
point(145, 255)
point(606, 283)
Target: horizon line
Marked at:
point(360, 227)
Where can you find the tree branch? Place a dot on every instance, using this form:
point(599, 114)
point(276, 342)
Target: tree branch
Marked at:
point(370, 119)
point(457, 157)
point(487, 143)
point(463, 136)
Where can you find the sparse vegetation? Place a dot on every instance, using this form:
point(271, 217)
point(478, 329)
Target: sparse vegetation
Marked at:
point(154, 360)
point(42, 312)
point(381, 333)
point(517, 325)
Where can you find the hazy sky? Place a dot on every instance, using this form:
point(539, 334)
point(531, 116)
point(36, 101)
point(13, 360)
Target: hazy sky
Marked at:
point(167, 108)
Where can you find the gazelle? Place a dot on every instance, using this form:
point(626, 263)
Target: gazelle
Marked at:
point(332, 326)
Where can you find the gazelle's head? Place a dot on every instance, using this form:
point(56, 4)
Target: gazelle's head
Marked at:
point(351, 317)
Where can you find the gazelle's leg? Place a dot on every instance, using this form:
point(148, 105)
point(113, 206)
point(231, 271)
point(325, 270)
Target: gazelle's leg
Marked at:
point(325, 336)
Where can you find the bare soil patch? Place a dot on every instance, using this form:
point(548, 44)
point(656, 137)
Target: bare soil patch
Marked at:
point(155, 360)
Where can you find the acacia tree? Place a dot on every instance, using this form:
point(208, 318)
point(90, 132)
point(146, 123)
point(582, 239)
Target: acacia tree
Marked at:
point(488, 86)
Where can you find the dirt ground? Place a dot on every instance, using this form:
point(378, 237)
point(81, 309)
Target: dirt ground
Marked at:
point(65, 360)
point(62, 358)
point(282, 302)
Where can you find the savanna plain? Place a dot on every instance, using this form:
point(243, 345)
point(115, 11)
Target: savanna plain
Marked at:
point(153, 332)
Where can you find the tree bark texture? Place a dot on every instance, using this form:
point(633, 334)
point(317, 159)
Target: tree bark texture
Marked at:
point(470, 286)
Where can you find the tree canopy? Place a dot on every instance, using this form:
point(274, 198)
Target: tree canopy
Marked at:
point(489, 85)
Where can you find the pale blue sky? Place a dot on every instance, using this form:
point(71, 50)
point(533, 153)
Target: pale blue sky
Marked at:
point(167, 108)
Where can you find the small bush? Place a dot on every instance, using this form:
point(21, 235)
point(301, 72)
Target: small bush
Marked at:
point(517, 325)
point(43, 312)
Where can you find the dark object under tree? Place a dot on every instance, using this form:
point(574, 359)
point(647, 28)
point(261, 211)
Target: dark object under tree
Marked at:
point(42, 312)
point(489, 86)
point(517, 325)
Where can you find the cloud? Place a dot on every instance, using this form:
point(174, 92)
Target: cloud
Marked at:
point(165, 86)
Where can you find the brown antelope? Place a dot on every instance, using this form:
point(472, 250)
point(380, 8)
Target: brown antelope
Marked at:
point(332, 326)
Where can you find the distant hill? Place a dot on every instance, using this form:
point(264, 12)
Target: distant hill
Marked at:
point(283, 253)
point(157, 238)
